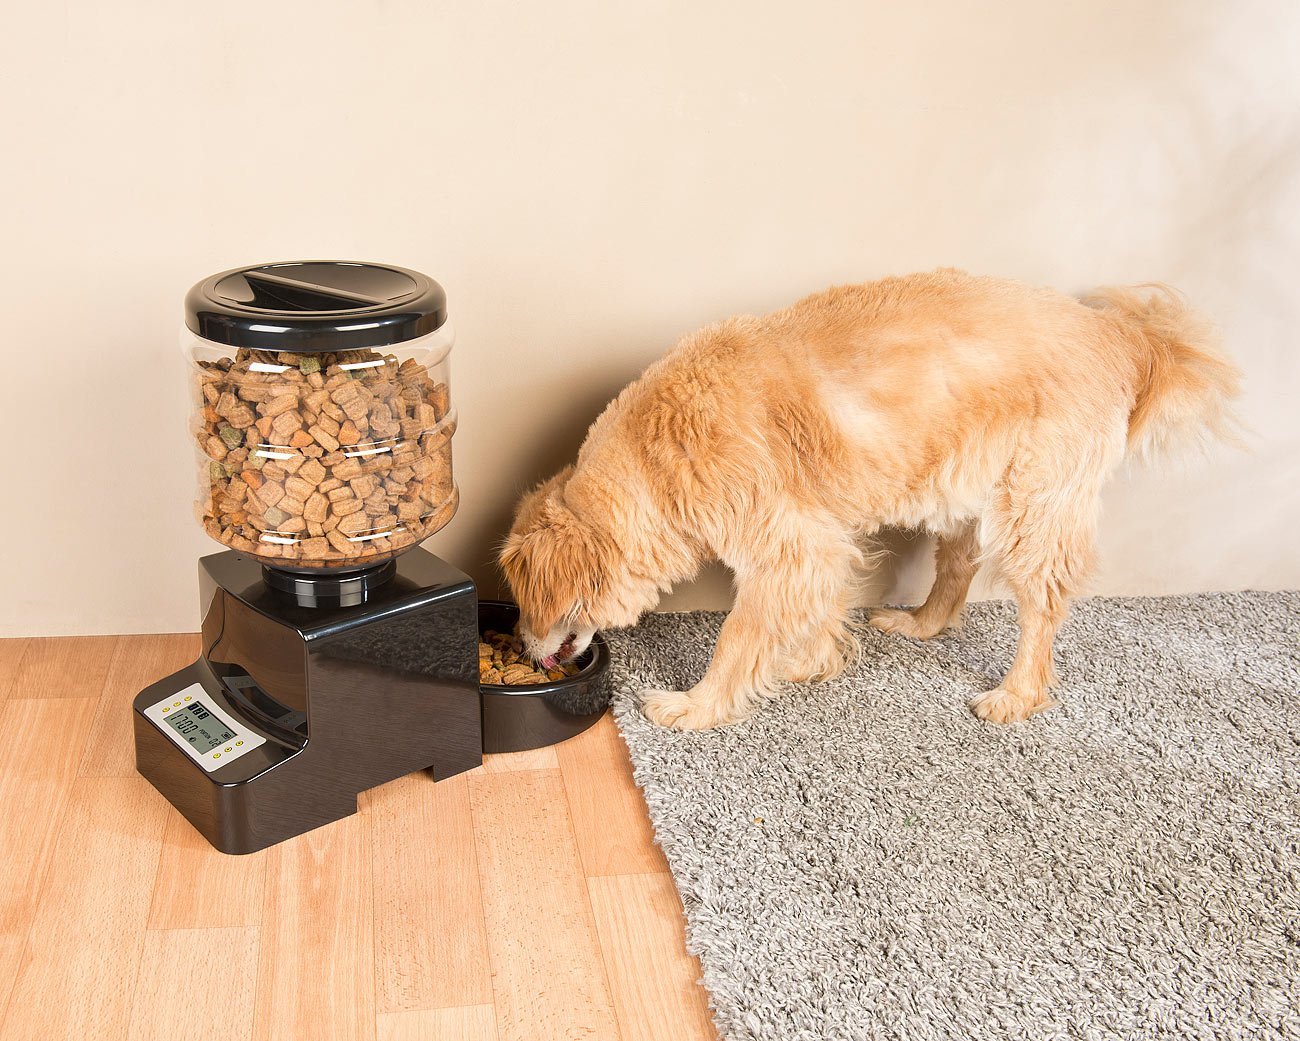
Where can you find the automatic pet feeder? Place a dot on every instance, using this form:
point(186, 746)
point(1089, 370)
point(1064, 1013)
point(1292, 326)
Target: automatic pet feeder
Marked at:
point(336, 654)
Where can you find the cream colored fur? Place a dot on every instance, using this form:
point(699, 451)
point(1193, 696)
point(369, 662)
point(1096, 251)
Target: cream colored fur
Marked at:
point(983, 410)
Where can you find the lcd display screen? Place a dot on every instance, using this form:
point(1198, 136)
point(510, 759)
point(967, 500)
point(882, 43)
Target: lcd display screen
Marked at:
point(199, 727)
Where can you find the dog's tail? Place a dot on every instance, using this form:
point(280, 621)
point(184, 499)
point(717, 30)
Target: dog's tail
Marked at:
point(1186, 386)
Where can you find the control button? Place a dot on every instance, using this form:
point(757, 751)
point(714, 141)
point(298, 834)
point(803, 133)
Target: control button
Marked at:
point(188, 697)
point(216, 755)
point(238, 743)
point(176, 704)
point(227, 748)
point(166, 709)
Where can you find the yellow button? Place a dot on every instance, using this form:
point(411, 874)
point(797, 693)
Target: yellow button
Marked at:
point(188, 698)
point(237, 743)
point(166, 710)
point(176, 704)
point(227, 748)
point(216, 755)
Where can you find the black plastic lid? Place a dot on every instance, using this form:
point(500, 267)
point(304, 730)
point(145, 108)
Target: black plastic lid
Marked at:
point(307, 306)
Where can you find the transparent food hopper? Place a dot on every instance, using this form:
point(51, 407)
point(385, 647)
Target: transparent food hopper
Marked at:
point(322, 412)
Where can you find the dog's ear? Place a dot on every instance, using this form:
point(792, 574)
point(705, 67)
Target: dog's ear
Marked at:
point(554, 566)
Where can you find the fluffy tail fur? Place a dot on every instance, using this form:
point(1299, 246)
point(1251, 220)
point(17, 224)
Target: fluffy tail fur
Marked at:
point(1189, 385)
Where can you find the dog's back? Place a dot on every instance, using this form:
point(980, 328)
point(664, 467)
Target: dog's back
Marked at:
point(904, 401)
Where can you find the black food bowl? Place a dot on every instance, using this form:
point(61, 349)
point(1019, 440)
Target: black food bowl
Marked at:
point(533, 715)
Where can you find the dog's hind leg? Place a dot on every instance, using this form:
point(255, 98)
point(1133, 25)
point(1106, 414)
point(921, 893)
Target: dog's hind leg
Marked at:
point(1044, 538)
point(955, 564)
point(792, 599)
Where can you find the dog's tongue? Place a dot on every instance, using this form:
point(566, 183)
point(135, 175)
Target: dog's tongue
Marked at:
point(552, 661)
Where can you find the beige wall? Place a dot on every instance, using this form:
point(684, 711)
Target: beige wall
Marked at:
point(589, 180)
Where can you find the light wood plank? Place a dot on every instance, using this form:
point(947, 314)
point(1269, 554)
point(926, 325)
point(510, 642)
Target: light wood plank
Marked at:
point(430, 944)
point(548, 975)
point(38, 762)
point(137, 662)
point(11, 654)
point(608, 810)
point(200, 888)
point(83, 950)
point(476, 1023)
point(653, 979)
point(316, 969)
point(64, 667)
point(532, 759)
point(195, 985)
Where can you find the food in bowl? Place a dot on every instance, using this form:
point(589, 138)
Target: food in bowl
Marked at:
point(502, 662)
point(323, 460)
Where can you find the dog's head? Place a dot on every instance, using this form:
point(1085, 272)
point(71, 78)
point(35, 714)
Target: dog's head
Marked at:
point(567, 574)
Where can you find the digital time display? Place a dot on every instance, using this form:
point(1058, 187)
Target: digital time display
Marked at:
point(199, 727)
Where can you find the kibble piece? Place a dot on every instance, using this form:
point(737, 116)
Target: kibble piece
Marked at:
point(364, 487)
point(285, 424)
point(312, 472)
point(339, 541)
point(316, 508)
point(285, 402)
point(348, 469)
point(354, 524)
point(270, 493)
point(355, 408)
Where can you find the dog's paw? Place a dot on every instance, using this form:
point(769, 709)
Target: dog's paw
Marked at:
point(1007, 706)
point(679, 710)
point(904, 623)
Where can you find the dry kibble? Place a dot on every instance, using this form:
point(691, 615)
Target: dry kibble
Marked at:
point(502, 662)
point(313, 473)
point(299, 488)
point(310, 458)
point(324, 438)
point(354, 524)
point(348, 469)
point(285, 402)
point(285, 424)
point(270, 493)
point(363, 487)
point(316, 508)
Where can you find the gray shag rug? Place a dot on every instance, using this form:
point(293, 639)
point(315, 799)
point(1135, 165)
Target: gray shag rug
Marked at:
point(865, 859)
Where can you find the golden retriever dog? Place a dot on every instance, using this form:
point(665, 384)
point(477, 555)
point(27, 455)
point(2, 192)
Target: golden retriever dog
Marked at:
point(984, 411)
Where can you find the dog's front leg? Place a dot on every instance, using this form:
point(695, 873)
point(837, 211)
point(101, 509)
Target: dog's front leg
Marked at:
point(737, 676)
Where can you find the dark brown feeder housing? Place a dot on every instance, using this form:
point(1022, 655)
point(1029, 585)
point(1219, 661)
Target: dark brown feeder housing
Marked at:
point(336, 654)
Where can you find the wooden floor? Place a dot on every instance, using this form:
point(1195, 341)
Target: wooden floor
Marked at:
point(521, 902)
